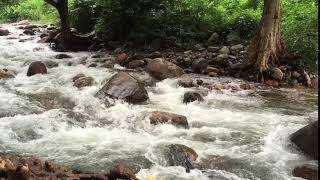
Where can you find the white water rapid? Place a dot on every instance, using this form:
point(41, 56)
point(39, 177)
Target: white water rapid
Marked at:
point(249, 129)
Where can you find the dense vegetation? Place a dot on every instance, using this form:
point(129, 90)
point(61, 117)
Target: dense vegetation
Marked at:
point(180, 23)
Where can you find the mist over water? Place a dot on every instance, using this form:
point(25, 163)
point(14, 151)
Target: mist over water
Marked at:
point(45, 116)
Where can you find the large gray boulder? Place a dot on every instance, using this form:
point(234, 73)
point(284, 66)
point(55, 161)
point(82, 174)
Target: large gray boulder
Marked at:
point(306, 139)
point(124, 86)
point(162, 69)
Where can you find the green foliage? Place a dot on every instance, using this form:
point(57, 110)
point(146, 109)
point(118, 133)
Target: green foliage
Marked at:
point(35, 10)
point(299, 30)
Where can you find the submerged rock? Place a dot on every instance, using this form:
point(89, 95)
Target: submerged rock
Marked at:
point(4, 32)
point(162, 69)
point(158, 117)
point(191, 96)
point(62, 56)
point(83, 82)
point(306, 171)
point(306, 139)
point(180, 155)
point(52, 100)
point(37, 68)
point(78, 76)
point(124, 86)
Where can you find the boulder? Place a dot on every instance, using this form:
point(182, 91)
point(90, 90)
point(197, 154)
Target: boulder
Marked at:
point(295, 74)
point(214, 38)
point(78, 76)
point(155, 54)
point(213, 49)
point(121, 171)
point(124, 86)
point(180, 155)
point(187, 83)
point(5, 74)
point(222, 60)
point(306, 139)
point(63, 56)
point(213, 74)
point(224, 50)
point(4, 32)
point(28, 32)
point(30, 27)
point(212, 162)
point(306, 171)
point(191, 96)
point(83, 82)
point(136, 64)
point(159, 117)
point(199, 65)
point(122, 58)
point(238, 47)
point(37, 68)
point(162, 69)
point(276, 74)
point(212, 69)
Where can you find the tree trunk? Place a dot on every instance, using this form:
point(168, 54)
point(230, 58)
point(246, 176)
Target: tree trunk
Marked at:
point(267, 47)
point(65, 36)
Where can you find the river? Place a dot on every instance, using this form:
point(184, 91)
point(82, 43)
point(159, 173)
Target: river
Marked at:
point(45, 116)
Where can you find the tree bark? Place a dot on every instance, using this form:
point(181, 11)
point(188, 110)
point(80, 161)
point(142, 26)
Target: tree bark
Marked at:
point(267, 47)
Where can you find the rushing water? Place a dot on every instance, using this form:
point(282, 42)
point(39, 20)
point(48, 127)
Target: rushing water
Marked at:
point(46, 117)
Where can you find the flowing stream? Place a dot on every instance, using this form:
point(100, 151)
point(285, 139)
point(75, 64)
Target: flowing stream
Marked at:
point(46, 117)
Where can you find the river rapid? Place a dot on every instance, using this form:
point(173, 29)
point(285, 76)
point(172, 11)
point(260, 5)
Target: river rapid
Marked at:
point(45, 116)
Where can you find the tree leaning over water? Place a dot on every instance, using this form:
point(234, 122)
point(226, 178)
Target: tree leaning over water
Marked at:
point(65, 34)
point(267, 47)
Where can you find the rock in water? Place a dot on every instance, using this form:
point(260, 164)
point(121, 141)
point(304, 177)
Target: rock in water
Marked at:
point(181, 155)
point(4, 32)
point(306, 171)
point(191, 96)
point(83, 82)
point(124, 86)
point(121, 171)
point(199, 65)
point(158, 117)
point(37, 68)
point(5, 74)
point(162, 69)
point(307, 139)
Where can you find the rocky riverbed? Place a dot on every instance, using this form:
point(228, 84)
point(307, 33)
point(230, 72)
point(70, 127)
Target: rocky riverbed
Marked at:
point(169, 115)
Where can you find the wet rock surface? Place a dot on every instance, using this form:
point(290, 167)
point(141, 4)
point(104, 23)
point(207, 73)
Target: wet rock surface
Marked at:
point(37, 68)
point(124, 86)
point(306, 139)
point(19, 168)
point(162, 69)
point(158, 117)
point(306, 171)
